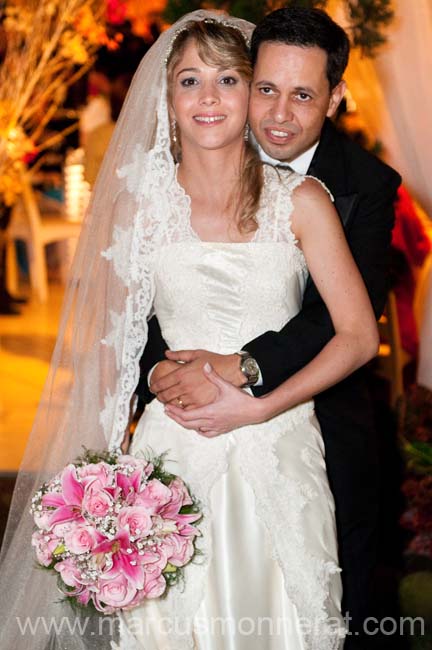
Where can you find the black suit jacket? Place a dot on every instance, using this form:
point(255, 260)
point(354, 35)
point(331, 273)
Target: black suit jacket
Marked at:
point(364, 189)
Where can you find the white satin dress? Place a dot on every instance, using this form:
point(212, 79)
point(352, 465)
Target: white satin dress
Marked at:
point(268, 576)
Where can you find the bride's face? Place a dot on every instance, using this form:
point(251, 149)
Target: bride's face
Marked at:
point(209, 104)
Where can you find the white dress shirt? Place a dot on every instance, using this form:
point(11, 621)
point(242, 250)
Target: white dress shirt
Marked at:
point(300, 164)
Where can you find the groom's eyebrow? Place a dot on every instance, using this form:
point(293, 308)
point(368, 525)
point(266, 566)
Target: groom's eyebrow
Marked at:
point(305, 89)
point(265, 83)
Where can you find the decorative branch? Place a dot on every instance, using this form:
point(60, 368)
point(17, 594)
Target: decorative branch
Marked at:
point(50, 44)
point(368, 18)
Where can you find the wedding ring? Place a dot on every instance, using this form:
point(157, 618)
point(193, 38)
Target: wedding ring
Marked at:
point(180, 402)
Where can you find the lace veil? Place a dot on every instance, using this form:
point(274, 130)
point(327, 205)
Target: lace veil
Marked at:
point(103, 330)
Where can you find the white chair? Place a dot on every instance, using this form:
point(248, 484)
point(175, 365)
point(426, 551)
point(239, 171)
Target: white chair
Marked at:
point(36, 230)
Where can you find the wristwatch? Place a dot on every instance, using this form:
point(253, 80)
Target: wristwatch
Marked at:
point(249, 368)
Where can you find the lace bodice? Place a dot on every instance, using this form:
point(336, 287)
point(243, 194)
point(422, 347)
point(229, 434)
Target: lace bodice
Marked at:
point(217, 295)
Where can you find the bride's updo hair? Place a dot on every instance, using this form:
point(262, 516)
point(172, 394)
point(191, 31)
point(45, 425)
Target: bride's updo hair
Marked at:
point(222, 46)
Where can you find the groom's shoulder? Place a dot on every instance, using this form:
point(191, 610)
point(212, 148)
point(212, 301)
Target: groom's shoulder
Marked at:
point(362, 166)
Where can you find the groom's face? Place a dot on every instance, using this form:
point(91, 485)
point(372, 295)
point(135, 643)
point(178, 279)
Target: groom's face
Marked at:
point(290, 98)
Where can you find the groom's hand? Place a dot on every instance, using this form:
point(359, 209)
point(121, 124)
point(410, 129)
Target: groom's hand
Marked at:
point(162, 369)
point(188, 383)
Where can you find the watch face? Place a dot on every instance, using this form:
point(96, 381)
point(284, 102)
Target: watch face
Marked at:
point(250, 367)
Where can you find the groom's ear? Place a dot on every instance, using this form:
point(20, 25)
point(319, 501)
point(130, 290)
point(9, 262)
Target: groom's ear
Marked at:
point(336, 97)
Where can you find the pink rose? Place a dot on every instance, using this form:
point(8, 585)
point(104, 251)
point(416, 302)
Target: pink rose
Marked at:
point(69, 573)
point(136, 519)
point(154, 496)
point(154, 586)
point(80, 539)
point(44, 545)
point(136, 463)
point(101, 472)
point(179, 497)
point(116, 592)
point(177, 486)
point(154, 561)
point(179, 550)
point(96, 502)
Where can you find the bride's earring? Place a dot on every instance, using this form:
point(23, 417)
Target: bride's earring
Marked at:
point(174, 130)
point(246, 133)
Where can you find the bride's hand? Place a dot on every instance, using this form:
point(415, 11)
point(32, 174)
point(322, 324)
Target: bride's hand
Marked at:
point(231, 409)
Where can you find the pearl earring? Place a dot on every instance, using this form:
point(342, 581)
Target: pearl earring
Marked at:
point(246, 133)
point(174, 129)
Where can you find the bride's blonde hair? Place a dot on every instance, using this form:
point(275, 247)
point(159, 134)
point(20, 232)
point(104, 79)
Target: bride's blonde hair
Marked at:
point(222, 46)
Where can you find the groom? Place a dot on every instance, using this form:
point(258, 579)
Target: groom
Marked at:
point(299, 58)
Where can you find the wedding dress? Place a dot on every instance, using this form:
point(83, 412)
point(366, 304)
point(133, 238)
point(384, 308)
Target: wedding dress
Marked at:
point(267, 575)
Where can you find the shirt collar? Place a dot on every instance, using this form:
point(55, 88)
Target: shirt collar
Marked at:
point(300, 164)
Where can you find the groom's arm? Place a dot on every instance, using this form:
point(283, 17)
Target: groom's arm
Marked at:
point(281, 354)
point(154, 352)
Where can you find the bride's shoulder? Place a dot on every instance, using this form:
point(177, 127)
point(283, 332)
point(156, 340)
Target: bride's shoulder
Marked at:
point(290, 180)
point(304, 186)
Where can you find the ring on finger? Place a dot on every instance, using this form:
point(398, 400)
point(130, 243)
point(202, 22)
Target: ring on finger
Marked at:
point(180, 402)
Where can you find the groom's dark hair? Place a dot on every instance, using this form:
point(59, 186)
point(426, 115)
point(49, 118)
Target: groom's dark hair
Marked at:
point(305, 28)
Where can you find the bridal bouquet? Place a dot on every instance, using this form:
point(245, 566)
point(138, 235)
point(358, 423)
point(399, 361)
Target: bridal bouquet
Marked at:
point(116, 529)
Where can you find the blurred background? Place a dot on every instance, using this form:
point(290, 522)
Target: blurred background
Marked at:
point(65, 68)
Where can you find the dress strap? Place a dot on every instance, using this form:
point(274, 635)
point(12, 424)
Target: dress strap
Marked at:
point(323, 185)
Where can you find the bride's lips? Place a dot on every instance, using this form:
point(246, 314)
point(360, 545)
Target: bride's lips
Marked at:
point(209, 119)
point(278, 135)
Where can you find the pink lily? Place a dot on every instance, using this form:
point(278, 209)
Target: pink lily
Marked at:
point(123, 562)
point(129, 485)
point(183, 524)
point(68, 502)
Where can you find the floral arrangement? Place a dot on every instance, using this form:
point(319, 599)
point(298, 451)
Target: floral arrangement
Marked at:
point(415, 433)
point(49, 45)
point(141, 15)
point(116, 529)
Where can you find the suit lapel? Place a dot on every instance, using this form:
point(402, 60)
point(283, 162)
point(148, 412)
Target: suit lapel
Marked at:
point(330, 166)
point(344, 206)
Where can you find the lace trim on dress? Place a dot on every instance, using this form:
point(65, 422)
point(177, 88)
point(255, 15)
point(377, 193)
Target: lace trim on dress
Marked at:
point(149, 225)
point(307, 578)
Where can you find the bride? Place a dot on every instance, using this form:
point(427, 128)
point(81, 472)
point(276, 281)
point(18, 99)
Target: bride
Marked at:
point(219, 246)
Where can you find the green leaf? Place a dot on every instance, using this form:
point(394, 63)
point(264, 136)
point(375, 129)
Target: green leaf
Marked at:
point(59, 550)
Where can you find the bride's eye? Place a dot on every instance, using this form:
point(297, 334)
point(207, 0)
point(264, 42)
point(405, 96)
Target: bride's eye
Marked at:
point(228, 80)
point(189, 81)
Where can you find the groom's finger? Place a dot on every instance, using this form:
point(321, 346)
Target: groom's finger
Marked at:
point(170, 394)
point(182, 355)
point(166, 382)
